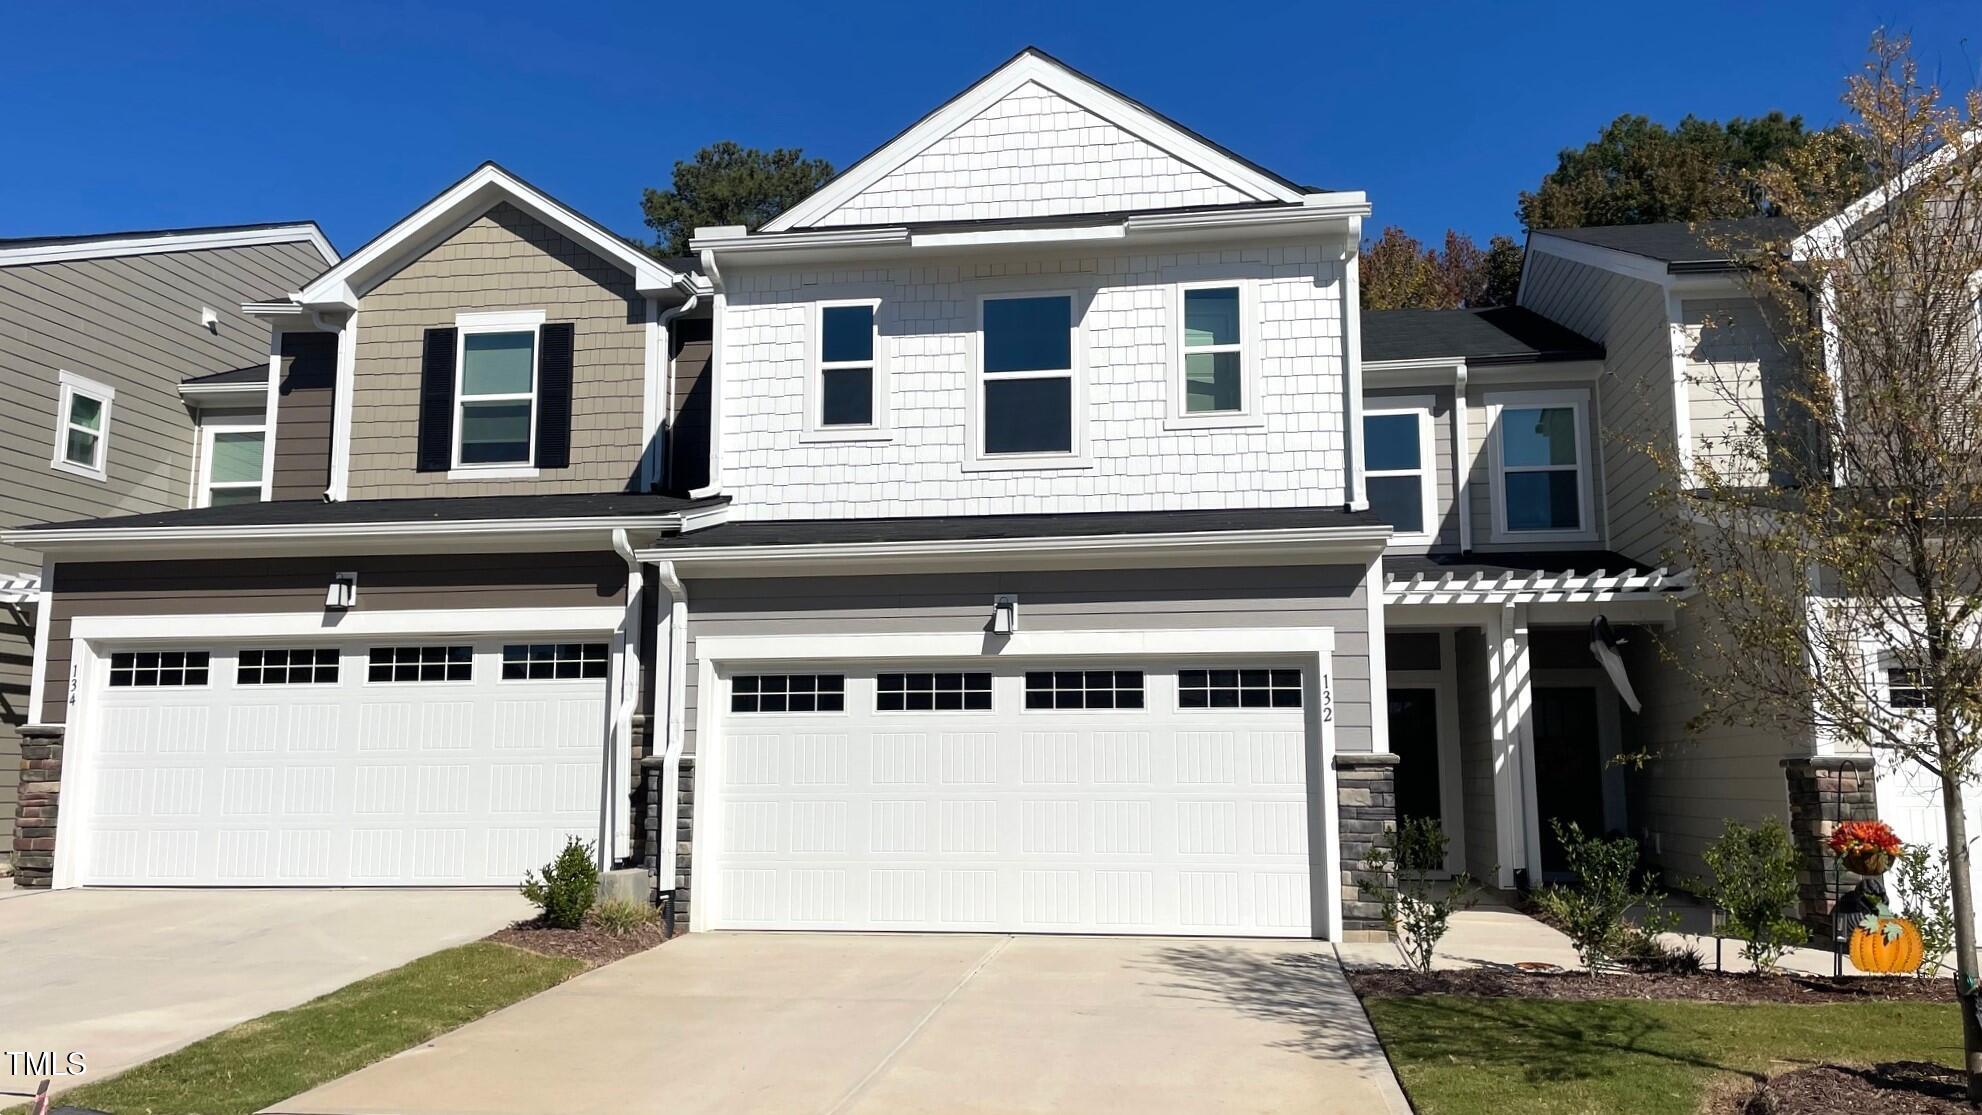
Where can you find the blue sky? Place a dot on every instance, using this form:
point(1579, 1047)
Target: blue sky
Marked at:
point(147, 116)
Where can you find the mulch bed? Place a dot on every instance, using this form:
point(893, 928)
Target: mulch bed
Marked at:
point(1898, 1088)
point(593, 946)
point(1501, 983)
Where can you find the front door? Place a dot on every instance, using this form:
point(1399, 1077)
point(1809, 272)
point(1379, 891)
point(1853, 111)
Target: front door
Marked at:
point(1569, 783)
point(1414, 737)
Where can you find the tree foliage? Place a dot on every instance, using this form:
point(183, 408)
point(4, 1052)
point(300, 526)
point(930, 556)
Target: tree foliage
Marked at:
point(729, 184)
point(1833, 530)
point(1399, 273)
point(1638, 171)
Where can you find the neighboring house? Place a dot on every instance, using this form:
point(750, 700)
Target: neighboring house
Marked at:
point(101, 332)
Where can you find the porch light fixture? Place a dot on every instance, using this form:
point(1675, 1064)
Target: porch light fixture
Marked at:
point(1004, 614)
point(343, 594)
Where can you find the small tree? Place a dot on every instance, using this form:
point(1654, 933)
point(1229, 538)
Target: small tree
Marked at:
point(1754, 884)
point(1418, 906)
point(568, 886)
point(1396, 272)
point(1595, 910)
point(1920, 884)
point(730, 184)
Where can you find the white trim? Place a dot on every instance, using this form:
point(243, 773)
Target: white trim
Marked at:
point(20, 588)
point(155, 243)
point(38, 678)
point(342, 285)
point(1379, 655)
point(718, 311)
point(1462, 459)
point(44, 539)
point(501, 323)
point(342, 406)
point(1076, 456)
point(1030, 66)
point(1630, 264)
point(878, 427)
point(203, 494)
point(1247, 346)
point(1682, 342)
point(412, 621)
point(1315, 646)
point(670, 702)
point(1427, 471)
point(69, 386)
point(271, 414)
point(1352, 364)
point(1826, 241)
point(1536, 587)
point(493, 472)
point(1578, 400)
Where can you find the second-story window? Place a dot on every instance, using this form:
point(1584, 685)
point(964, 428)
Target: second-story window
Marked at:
point(496, 396)
point(1542, 477)
point(231, 465)
point(82, 426)
point(1027, 356)
point(1397, 465)
point(1214, 355)
point(846, 384)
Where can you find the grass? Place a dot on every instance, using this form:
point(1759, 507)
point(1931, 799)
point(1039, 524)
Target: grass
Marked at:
point(268, 1059)
point(1650, 1058)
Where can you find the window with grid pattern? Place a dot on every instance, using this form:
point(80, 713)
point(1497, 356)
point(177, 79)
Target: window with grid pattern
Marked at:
point(1083, 689)
point(1237, 688)
point(932, 692)
point(287, 666)
point(152, 669)
point(788, 693)
point(544, 661)
point(429, 663)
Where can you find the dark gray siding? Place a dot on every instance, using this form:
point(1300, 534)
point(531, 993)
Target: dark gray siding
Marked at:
point(688, 440)
point(304, 393)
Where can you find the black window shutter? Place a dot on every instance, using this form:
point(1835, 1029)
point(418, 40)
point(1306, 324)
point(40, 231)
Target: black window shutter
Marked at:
point(554, 395)
point(437, 401)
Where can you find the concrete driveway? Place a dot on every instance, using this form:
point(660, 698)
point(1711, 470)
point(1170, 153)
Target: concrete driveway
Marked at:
point(123, 976)
point(783, 1023)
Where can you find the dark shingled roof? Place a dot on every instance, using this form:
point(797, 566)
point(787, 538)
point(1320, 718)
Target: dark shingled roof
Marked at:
point(802, 532)
point(1501, 335)
point(444, 509)
point(1700, 246)
point(1493, 565)
point(37, 241)
point(255, 374)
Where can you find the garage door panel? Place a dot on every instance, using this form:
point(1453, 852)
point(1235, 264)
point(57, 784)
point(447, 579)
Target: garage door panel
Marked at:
point(352, 781)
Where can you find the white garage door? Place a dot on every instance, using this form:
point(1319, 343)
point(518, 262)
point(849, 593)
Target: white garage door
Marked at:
point(1141, 799)
point(434, 763)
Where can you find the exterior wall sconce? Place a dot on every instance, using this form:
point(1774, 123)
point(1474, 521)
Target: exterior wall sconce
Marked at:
point(1004, 614)
point(343, 594)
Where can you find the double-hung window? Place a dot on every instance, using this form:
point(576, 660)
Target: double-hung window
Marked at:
point(82, 426)
point(847, 396)
point(1397, 465)
point(1542, 481)
point(231, 464)
point(495, 395)
point(1028, 393)
point(1213, 385)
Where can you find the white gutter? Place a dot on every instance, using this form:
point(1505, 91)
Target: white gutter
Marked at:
point(658, 472)
point(1222, 540)
point(619, 741)
point(671, 696)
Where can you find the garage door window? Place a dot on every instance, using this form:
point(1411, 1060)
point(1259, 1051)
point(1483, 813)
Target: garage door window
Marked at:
point(287, 666)
point(1223, 689)
point(151, 669)
point(437, 663)
point(1083, 689)
point(553, 661)
point(788, 693)
point(938, 692)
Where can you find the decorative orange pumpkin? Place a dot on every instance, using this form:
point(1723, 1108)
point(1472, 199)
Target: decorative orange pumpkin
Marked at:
point(1887, 944)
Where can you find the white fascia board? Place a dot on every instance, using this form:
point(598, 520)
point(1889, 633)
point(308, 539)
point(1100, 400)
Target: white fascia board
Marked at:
point(445, 534)
point(996, 236)
point(1440, 371)
point(1020, 644)
point(1030, 67)
point(1304, 545)
point(1609, 259)
point(224, 394)
point(1826, 241)
point(160, 243)
point(467, 199)
point(271, 309)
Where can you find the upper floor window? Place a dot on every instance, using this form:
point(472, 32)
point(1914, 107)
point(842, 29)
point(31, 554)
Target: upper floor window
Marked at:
point(231, 464)
point(846, 394)
point(1212, 342)
point(1397, 465)
point(1541, 473)
point(496, 394)
point(1027, 359)
point(82, 426)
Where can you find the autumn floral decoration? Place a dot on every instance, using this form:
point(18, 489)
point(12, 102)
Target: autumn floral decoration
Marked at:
point(1867, 847)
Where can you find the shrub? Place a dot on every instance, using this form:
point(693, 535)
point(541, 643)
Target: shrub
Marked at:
point(1418, 909)
point(1594, 910)
point(568, 885)
point(1926, 898)
point(620, 917)
point(1754, 885)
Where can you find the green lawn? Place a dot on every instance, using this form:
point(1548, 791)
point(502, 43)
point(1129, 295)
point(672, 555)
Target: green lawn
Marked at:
point(269, 1059)
point(1534, 1056)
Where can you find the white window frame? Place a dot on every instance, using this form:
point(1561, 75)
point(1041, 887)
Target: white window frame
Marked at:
point(1076, 456)
point(207, 434)
point(500, 321)
point(817, 366)
point(1181, 418)
point(1427, 470)
point(1576, 399)
point(71, 385)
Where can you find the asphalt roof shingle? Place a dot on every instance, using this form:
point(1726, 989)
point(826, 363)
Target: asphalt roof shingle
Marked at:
point(1700, 246)
point(1500, 335)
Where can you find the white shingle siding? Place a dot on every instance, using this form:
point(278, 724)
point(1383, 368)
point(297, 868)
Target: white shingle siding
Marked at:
point(1032, 153)
point(928, 318)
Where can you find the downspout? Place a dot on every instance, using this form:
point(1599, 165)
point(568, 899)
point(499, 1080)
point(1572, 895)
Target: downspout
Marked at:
point(1352, 362)
point(714, 374)
point(1462, 459)
point(664, 466)
point(671, 703)
point(619, 754)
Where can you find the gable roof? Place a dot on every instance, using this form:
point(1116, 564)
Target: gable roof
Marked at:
point(1499, 335)
point(1245, 180)
point(1827, 238)
point(481, 190)
point(22, 251)
point(1681, 245)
